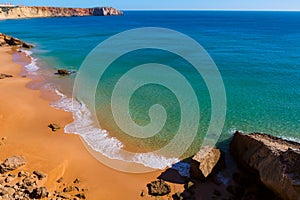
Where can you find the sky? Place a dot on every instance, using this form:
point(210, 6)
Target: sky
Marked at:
point(170, 4)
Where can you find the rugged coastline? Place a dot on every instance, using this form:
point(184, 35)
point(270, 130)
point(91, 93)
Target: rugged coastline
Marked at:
point(259, 167)
point(268, 166)
point(24, 122)
point(19, 12)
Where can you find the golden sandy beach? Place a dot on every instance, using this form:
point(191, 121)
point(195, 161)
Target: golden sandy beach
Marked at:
point(24, 120)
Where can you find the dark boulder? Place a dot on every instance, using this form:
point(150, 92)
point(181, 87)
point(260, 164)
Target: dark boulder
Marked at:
point(39, 193)
point(39, 174)
point(63, 72)
point(54, 127)
point(3, 76)
point(158, 188)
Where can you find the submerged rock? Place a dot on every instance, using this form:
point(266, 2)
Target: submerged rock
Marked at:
point(63, 72)
point(207, 161)
point(12, 163)
point(276, 162)
point(158, 188)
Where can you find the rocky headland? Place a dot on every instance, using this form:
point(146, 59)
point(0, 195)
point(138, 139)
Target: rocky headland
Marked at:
point(6, 40)
point(259, 167)
point(44, 11)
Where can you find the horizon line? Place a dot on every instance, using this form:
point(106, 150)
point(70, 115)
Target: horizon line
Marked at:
point(200, 9)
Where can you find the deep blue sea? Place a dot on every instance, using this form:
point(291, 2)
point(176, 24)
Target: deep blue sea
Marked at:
point(257, 55)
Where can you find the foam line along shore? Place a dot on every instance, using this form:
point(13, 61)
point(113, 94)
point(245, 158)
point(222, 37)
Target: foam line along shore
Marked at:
point(24, 123)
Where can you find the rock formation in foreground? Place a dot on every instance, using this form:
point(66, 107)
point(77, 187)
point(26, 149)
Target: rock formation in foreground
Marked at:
point(16, 184)
point(275, 161)
point(42, 11)
point(6, 40)
point(208, 160)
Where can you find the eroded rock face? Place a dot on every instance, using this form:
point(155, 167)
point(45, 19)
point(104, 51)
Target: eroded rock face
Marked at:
point(6, 40)
point(12, 163)
point(275, 161)
point(44, 11)
point(205, 162)
point(105, 11)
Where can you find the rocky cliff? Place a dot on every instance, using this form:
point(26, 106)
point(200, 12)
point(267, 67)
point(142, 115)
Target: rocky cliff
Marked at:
point(275, 161)
point(6, 40)
point(35, 12)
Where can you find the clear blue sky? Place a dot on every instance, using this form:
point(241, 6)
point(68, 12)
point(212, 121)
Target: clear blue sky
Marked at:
point(170, 4)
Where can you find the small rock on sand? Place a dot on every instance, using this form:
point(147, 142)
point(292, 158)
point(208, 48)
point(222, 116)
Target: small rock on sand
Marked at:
point(81, 196)
point(60, 180)
point(3, 76)
point(158, 188)
point(54, 127)
point(40, 175)
point(76, 181)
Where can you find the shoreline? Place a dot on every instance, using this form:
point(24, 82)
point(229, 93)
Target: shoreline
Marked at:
point(29, 109)
point(55, 153)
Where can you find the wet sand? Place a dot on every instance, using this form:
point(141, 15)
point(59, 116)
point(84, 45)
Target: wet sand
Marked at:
point(24, 120)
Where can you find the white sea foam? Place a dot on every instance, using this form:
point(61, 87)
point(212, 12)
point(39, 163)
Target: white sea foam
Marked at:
point(232, 131)
point(32, 66)
point(290, 139)
point(99, 139)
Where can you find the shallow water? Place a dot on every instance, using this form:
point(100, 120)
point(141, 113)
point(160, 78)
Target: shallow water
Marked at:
point(257, 54)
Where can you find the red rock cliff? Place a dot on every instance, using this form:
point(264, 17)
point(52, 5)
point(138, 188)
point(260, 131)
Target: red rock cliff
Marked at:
point(37, 11)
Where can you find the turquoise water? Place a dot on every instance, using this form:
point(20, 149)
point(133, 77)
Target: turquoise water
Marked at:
point(257, 54)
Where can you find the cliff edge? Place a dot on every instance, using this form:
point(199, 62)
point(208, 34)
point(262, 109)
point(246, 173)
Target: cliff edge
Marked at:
point(275, 161)
point(39, 11)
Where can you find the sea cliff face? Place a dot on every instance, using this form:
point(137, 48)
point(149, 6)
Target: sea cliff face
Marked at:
point(274, 160)
point(37, 12)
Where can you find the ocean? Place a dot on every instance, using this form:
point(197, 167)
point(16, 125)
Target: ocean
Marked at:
point(257, 55)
